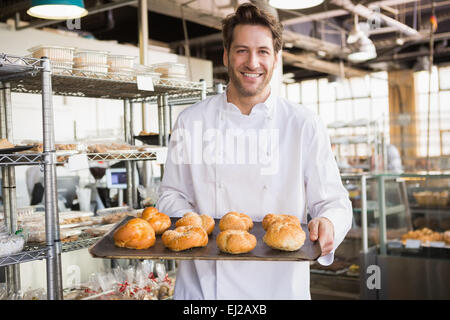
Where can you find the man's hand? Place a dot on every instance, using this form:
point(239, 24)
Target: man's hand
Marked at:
point(323, 230)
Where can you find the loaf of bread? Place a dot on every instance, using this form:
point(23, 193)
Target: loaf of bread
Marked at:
point(235, 241)
point(235, 221)
point(284, 236)
point(185, 237)
point(159, 221)
point(194, 219)
point(447, 236)
point(135, 234)
point(272, 218)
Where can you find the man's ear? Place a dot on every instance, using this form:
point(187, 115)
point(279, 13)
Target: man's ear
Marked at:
point(225, 58)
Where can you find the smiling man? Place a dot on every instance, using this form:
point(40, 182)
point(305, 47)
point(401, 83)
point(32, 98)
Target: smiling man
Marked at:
point(305, 179)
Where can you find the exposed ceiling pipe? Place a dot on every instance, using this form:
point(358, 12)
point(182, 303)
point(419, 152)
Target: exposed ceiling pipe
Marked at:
point(370, 14)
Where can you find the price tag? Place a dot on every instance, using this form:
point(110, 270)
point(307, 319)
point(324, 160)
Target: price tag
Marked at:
point(78, 162)
point(412, 244)
point(437, 244)
point(145, 83)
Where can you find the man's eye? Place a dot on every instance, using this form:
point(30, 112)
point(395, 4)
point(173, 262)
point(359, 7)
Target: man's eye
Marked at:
point(264, 52)
point(241, 51)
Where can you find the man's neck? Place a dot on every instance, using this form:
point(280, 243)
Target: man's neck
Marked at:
point(246, 104)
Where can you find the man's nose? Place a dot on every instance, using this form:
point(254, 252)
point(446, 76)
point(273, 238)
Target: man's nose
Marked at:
point(253, 61)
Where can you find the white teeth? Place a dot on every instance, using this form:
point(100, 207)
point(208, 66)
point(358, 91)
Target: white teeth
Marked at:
point(251, 75)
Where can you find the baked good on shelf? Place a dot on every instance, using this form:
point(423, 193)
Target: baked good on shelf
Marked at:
point(446, 236)
point(5, 144)
point(424, 235)
point(284, 236)
point(137, 233)
point(185, 237)
point(271, 218)
point(194, 219)
point(235, 221)
point(235, 241)
point(159, 221)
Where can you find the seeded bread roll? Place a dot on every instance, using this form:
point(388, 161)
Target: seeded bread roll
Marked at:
point(272, 218)
point(159, 221)
point(185, 237)
point(284, 236)
point(235, 221)
point(135, 234)
point(194, 219)
point(235, 241)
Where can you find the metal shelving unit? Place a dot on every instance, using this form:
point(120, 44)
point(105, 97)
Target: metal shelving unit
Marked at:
point(19, 74)
point(12, 70)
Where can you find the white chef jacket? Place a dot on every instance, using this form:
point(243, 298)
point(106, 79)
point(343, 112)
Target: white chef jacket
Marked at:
point(295, 171)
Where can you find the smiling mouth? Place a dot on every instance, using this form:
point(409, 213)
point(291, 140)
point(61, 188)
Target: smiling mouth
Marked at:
point(251, 75)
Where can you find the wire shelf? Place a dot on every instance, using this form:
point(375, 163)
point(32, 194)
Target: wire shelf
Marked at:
point(80, 83)
point(21, 159)
point(122, 156)
point(15, 67)
point(78, 244)
point(28, 254)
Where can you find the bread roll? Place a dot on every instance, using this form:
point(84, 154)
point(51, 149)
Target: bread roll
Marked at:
point(235, 241)
point(235, 221)
point(272, 218)
point(159, 221)
point(185, 237)
point(189, 219)
point(208, 223)
point(446, 236)
point(194, 219)
point(135, 234)
point(284, 236)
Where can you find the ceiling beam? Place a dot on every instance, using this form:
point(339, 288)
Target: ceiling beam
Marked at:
point(310, 62)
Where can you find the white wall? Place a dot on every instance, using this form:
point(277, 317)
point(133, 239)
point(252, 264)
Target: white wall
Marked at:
point(92, 117)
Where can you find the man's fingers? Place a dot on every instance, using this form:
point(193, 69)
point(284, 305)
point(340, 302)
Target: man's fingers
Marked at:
point(313, 228)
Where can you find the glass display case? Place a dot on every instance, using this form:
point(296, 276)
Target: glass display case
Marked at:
point(400, 229)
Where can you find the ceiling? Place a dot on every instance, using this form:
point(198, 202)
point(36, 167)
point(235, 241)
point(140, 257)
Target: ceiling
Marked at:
point(314, 38)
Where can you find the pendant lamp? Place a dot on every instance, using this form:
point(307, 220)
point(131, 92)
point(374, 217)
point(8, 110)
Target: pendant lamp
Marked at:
point(57, 9)
point(294, 4)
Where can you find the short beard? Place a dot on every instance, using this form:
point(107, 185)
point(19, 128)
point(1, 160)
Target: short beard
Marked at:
point(244, 92)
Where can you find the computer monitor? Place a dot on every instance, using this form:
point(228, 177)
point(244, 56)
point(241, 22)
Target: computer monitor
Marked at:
point(116, 178)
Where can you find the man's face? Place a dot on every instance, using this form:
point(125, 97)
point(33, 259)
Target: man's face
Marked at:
point(251, 59)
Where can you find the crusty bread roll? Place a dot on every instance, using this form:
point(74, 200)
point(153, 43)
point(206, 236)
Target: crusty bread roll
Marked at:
point(135, 234)
point(189, 219)
point(185, 237)
point(235, 241)
point(235, 221)
point(446, 236)
point(272, 218)
point(194, 219)
point(284, 236)
point(208, 223)
point(159, 221)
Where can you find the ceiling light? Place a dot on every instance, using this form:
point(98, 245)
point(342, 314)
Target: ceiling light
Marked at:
point(57, 9)
point(363, 50)
point(296, 4)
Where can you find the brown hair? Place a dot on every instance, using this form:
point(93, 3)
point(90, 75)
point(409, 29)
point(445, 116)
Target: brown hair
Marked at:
point(248, 13)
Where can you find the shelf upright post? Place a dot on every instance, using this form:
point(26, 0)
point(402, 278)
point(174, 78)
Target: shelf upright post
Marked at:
point(54, 274)
point(382, 213)
point(365, 244)
point(128, 164)
point(9, 185)
point(166, 119)
point(133, 163)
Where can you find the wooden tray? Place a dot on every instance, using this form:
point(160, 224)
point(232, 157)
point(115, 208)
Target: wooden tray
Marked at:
point(105, 248)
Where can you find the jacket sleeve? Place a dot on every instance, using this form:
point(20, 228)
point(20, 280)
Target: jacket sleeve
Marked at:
point(325, 194)
point(176, 189)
